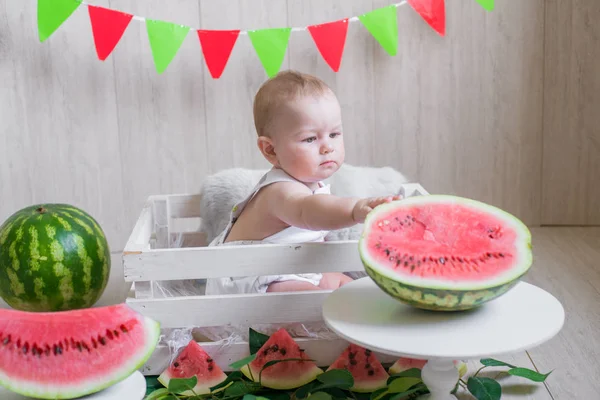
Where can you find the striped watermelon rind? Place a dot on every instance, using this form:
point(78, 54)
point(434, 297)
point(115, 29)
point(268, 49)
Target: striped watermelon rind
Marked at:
point(402, 242)
point(53, 257)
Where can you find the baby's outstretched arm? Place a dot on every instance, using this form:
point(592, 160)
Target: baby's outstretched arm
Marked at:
point(295, 205)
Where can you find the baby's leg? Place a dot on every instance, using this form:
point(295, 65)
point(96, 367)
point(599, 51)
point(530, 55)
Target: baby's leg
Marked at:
point(334, 280)
point(291, 286)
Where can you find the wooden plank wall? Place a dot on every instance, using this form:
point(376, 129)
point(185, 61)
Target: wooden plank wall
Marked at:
point(462, 114)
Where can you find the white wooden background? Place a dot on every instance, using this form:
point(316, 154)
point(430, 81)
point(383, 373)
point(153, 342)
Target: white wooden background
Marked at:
point(478, 113)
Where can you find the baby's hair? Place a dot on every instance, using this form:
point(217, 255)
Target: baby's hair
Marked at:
point(285, 86)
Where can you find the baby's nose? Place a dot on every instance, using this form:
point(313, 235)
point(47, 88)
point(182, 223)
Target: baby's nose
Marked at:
point(326, 148)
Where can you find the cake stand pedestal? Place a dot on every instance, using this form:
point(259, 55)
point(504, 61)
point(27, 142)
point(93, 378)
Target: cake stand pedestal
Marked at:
point(524, 317)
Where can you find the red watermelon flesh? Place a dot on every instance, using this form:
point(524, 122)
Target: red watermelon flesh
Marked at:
point(283, 375)
point(368, 373)
point(194, 361)
point(67, 354)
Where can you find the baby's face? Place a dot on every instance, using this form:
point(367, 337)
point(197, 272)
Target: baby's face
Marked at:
point(308, 139)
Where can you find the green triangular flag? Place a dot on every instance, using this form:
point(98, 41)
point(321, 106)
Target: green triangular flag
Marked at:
point(383, 25)
point(51, 14)
point(487, 4)
point(270, 46)
point(165, 40)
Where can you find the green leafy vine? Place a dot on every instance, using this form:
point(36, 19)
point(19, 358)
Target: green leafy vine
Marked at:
point(334, 384)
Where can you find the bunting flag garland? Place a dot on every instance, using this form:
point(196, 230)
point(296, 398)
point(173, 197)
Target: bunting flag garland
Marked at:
point(270, 45)
point(383, 25)
point(433, 12)
point(216, 48)
point(330, 39)
point(487, 4)
point(51, 14)
point(108, 27)
point(165, 40)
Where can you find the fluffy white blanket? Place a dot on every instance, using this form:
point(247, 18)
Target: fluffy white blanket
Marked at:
point(222, 190)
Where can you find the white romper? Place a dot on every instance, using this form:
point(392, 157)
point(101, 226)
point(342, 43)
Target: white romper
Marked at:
point(292, 234)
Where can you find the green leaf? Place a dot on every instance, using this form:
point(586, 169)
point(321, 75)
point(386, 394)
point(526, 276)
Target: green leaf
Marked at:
point(239, 364)
point(51, 14)
point(402, 396)
point(339, 378)
point(253, 397)
point(303, 391)
point(234, 376)
point(487, 4)
point(336, 393)
point(180, 385)
point(157, 394)
point(383, 25)
point(276, 395)
point(320, 396)
point(239, 388)
point(165, 40)
point(490, 362)
point(256, 340)
point(270, 46)
point(401, 385)
point(379, 393)
point(484, 388)
point(409, 373)
point(529, 374)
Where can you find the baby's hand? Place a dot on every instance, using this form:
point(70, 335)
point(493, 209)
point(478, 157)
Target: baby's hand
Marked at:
point(365, 206)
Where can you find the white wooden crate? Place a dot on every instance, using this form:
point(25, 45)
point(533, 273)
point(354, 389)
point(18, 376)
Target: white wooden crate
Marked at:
point(152, 255)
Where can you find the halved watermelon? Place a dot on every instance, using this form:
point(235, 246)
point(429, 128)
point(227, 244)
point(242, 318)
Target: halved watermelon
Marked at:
point(286, 374)
point(442, 252)
point(368, 373)
point(194, 361)
point(68, 354)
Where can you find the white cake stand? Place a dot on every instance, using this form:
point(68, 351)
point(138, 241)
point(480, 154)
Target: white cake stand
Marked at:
point(363, 314)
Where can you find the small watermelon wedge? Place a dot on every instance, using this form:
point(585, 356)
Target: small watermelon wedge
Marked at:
point(283, 375)
point(368, 373)
point(194, 361)
point(404, 363)
point(69, 354)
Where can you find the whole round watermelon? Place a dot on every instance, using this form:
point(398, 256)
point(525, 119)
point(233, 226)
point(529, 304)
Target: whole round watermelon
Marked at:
point(53, 257)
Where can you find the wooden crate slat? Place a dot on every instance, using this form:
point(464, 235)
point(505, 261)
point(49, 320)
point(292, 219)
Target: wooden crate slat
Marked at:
point(184, 205)
point(248, 260)
point(178, 312)
point(323, 351)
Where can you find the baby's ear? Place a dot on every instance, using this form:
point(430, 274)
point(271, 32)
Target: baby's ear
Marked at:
point(265, 145)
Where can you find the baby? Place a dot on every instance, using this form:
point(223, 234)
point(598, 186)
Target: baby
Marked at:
point(299, 126)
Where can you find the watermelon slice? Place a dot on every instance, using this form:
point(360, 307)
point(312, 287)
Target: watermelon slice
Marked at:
point(403, 364)
point(368, 373)
point(286, 374)
point(194, 361)
point(68, 354)
point(443, 252)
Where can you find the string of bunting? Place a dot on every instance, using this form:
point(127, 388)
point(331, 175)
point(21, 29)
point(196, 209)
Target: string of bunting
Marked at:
point(270, 44)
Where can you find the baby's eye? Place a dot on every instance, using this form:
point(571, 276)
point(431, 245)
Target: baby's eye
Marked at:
point(310, 139)
point(334, 134)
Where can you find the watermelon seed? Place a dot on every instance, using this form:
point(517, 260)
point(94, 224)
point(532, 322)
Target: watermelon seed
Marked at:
point(387, 252)
point(47, 351)
point(209, 360)
point(6, 340)
point(501, 255)
point(371, 372)
point(367, 366)
point(442, 260)
point(25, 348)
point(19, 343)
point(367, 352)
point(274, 347)
point(79, 347)
point(265, 352)
point(123, 328)
point(176, 364)
point(392, 258)
point(210, 368)
point(352, 361)
point(109, 334)
point(57, 350)
point(116, 333)
point(398, 262)
point(301, 350)
point(94, 343)
point(282, 351)
point(406, 263)
point(412, 268)
point(102, 340)
point(351, 355)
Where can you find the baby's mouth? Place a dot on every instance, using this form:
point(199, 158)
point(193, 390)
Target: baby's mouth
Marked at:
point(328, 162)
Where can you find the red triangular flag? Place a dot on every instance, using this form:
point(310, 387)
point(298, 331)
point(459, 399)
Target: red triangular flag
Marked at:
point(433, 12)
point(108, 27)
point(216, 47)
point(330, 39)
